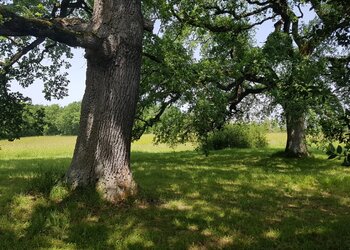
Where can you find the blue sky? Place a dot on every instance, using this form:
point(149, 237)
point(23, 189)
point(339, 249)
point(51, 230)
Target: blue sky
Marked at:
point(75, 89)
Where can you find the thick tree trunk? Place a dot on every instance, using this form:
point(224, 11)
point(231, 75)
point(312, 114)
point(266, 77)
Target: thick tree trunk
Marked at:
point(102, 151)
point(296, 138)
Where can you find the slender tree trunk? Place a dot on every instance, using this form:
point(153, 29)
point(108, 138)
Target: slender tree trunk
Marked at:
point(102, 151)
point(296, 138)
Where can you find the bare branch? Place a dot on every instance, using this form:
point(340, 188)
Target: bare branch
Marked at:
point(150, 122)
point(148, 25)
point(64, 8)
point(301, 12)
point(219, 11)
point(218, 28)
point(258, 2)
point(13, 41)
point(260, 22)
point(66, 31)
point(230, 86)
point(42, 54)
point(240, 95)
point(152, 57)
point(295, 32)
point(6, 65)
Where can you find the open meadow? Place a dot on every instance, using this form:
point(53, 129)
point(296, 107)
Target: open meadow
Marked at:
point(232, 199)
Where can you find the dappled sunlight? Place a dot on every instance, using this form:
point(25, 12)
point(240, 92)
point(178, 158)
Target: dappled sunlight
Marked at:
point(23, 206)
point(272, 234)
point(176, 205)
point(305, 230)
point(344, 201)
point(225, 241)
point(232, 199)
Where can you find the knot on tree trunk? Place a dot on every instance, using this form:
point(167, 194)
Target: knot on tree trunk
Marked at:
point(74, 24)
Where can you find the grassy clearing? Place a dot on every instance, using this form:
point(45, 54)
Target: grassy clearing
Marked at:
point(232, 199)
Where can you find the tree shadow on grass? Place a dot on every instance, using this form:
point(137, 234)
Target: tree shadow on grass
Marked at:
point(30, 219)
point(231, 199)
point(258, 186)
point(70, 222)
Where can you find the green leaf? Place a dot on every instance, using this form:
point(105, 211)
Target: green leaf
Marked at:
point(328, 152)
point(41, 6)
point(331, 148)
point(339, 149)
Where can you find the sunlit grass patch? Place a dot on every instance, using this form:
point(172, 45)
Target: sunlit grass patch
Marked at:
point(277, 140)
point(272, 234)
point(232, 199)
point(22, 206)
point(38, 147)
point(146, 144)
point(177, 205)
point(59, 192)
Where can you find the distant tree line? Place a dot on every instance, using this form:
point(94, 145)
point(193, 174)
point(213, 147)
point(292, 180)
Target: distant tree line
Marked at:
point(49, 120)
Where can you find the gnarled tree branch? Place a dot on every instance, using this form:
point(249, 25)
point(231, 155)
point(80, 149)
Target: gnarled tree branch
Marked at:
point(148, 25)
point(221, 28)
point(68, 31)
point(241, 93)
point(150, 122)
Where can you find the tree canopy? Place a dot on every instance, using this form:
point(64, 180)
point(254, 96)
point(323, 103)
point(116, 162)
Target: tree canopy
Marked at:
point(296, 67)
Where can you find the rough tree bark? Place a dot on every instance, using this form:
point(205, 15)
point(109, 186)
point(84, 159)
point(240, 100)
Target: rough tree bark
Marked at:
point(296, 138)
point(102, 152)
point(113, 43)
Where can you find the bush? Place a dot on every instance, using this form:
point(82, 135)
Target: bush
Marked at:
point(237, 136)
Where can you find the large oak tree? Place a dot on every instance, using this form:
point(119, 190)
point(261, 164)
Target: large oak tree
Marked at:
point(293, 65)
point(111, 33)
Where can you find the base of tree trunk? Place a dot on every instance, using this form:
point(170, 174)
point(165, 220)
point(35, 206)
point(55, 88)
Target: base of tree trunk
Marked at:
point(117, 193)
point(113, 193)
point(296, 154)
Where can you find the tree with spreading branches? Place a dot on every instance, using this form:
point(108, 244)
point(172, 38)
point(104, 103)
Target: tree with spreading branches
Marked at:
point(294, 66)
point(111, 33)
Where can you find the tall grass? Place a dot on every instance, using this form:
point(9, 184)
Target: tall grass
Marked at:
point(232, 199)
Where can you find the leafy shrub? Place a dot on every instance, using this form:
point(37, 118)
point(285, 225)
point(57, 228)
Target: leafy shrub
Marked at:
point(172, 128)
point(237, 136)
point(342, 151)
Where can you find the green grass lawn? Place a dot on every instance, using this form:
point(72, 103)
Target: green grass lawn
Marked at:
point(232, 199)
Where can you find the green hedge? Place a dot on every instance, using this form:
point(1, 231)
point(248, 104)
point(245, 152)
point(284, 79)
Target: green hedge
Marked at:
point(237, 136)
